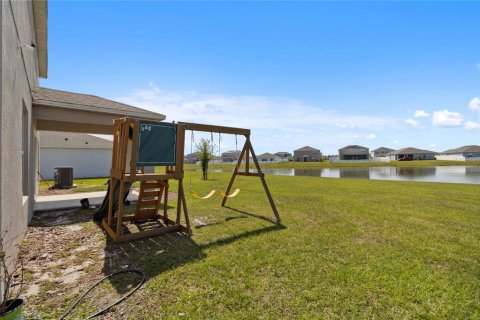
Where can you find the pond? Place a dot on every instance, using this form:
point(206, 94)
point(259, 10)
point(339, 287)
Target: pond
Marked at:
point(447, 174)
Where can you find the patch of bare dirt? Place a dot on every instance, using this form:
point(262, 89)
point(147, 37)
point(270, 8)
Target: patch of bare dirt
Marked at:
point(64, 253)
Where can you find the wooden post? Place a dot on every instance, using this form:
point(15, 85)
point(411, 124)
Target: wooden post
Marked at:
point(120, 209)
point(185, 212)
point(179, 153)
point(134, 155)
point(165, 204)
point(179, 200)
point(247, 158)
point(262, 178)
point(235, 171)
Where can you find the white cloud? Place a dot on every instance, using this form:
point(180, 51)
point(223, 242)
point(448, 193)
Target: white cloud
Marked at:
point(445, 118)
point(371, 136)
point(433, 145)
point(474, 104)
point(470, 125)
point(413, 123)
point(396, 142)
point(266, 116)
point(421, 114)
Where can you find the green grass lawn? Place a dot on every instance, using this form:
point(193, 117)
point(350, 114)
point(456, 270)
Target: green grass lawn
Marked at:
point(346, 248)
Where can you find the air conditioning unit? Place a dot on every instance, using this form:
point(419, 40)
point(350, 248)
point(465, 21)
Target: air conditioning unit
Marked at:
point(63, 177)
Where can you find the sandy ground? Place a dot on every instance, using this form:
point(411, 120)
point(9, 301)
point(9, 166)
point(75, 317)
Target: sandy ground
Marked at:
point(65, 252)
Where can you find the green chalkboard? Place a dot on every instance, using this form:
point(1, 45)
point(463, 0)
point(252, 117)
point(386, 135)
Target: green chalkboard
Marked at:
point(157, 144)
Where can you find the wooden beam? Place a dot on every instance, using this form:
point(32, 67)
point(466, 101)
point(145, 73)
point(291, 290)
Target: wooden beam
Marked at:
point(185, 212)
point(264, 183)
point(213, 128)
point(235, 172)
point(179, 200)
point(250, 174)
point(120, 208)
point(134, 155)
point(148, 233)
point(109, 230)
point(179, 152)
point(150, 176)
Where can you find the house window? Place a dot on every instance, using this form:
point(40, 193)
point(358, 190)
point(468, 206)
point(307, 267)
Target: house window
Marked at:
point(25, 150)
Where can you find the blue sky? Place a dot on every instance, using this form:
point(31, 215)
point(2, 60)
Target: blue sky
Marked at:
point(312, 73)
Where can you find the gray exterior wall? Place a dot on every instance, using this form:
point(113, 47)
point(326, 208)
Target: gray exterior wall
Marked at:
point(307, 156)
point(18, 138)
point(230, 156)
point(354, 154)
point(381, 152)
point(80, 159)
point(458, 156)
point(414, 156)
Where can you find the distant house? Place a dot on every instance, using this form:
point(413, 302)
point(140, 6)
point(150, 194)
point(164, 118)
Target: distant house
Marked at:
point(231, 156)
point(411, 154)
point(460, 154)
point(353, 152)
point(268, 157)
point(382, 151)
point(90, 156)
point(284, 155)
point(307, 154)
point(191, 158)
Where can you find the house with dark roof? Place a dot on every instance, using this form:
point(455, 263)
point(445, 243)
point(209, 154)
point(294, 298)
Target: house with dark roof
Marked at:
point(76, 150)
point(268, 157)
point(231, 156)
point(307, 154)
point(406, 154)
point(465, 153)
point(353, 152)
point(381, 152)
point(284, 155)
point(191, 158)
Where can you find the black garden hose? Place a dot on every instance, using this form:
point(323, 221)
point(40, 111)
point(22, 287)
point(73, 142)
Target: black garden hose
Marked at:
point(74, 304)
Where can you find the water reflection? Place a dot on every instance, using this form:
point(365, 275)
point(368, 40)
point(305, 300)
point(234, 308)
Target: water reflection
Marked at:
point(357, 173)
point(451, 174)
point(415, 172)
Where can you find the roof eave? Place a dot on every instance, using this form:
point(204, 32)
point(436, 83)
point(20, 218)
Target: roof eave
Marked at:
point(142, 115)
point(40, 17)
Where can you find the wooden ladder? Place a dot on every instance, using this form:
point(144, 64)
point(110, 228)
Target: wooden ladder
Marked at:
point(150, 198)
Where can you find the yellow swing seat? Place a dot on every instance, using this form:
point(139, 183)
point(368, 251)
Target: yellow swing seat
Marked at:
point(197, 196)
point(231, 195)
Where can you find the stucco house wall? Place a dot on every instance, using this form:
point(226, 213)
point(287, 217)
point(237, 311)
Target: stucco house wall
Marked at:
point(80, 159)
point(18, 139)
point(268, 157)
point(231, 156)
point(460, 154)
point(307, 154)
point(354, 152)
point(413, 156)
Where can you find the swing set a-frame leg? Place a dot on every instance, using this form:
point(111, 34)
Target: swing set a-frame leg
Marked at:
point(182, 204)
point(234, 175)
point(264, 183)
point(247, 148)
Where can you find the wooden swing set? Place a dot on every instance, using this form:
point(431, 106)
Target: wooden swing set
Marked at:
point(139, 144)
point(212, 151)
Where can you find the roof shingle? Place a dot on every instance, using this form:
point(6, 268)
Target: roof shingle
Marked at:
point(78, 101)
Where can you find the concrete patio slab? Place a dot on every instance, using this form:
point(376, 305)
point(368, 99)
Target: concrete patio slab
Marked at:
point(66, 201)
